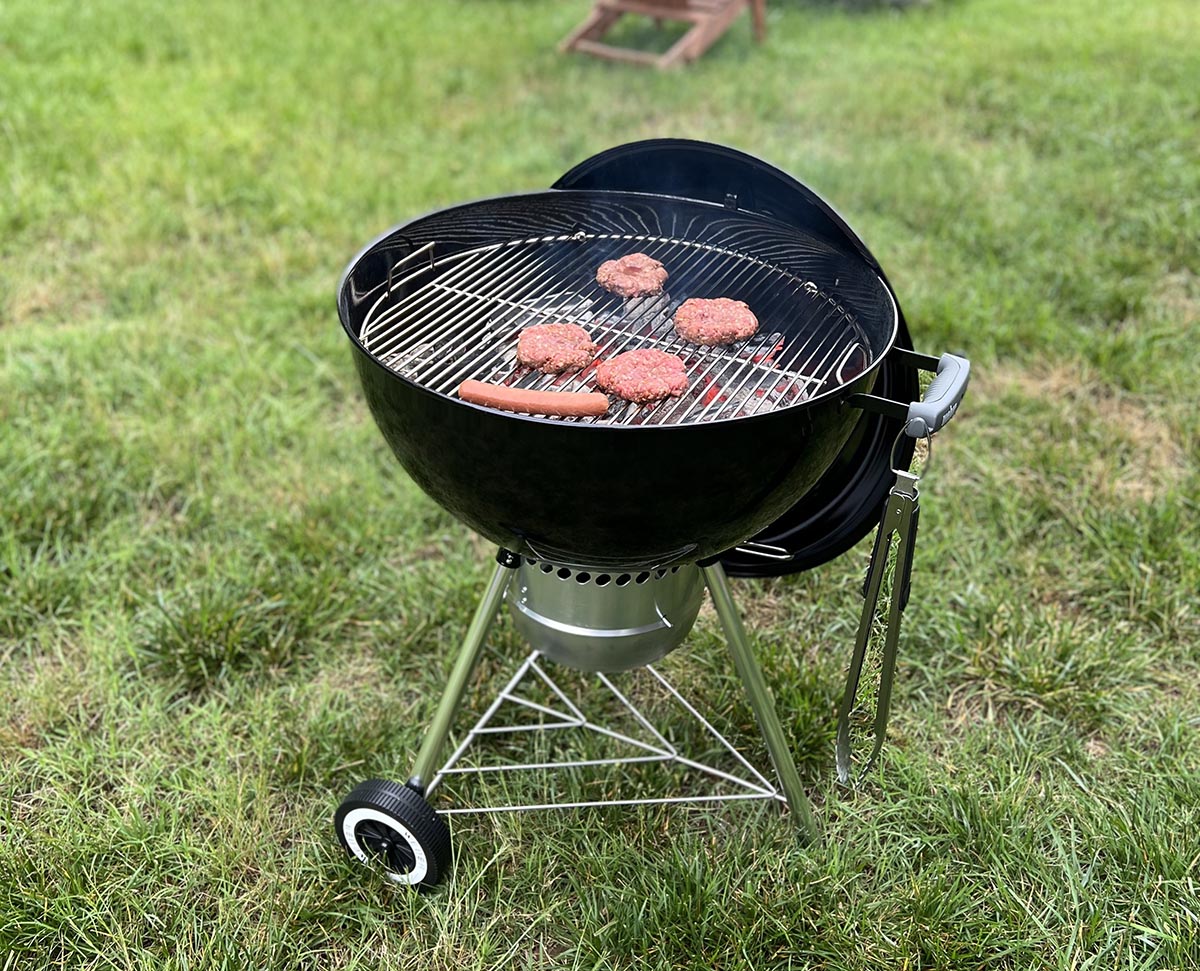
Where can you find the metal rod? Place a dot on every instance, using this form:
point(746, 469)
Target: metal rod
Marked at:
point(518, 700)
point(549, 683)
point(578, 763)
point(483, 720)
point(662, 800)
point(760, 700)
point(768, 789)
point(539, 727)
point(456, 686)
point(642, 720)
point(691, 709)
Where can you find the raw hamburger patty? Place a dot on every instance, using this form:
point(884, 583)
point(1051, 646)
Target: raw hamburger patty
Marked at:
point(643, 376)
point(718, 321)
point(554, 348)
point(635, 275)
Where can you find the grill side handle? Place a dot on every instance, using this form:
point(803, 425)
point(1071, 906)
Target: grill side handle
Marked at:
point(941, 398)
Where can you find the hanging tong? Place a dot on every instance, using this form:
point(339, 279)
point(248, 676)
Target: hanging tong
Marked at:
point(900, 515)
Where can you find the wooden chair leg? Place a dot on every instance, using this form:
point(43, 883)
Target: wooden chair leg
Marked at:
point(758, 10)
point(707, 32)
point(683, 49)
point(594, 27)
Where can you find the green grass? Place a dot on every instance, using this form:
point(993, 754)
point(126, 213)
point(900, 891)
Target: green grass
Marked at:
point(222, 604)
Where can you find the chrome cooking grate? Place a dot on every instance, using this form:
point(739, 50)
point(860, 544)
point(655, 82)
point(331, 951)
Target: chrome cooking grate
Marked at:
point(443, 320)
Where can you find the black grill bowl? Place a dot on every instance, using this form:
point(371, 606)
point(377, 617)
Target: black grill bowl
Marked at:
point(597, 494)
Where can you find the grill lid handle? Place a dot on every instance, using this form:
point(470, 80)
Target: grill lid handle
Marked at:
point(940, 402)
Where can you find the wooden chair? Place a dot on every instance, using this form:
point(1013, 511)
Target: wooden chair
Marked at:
point(709, 20)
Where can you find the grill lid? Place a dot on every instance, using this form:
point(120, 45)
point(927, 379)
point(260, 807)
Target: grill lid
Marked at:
point(847, 501)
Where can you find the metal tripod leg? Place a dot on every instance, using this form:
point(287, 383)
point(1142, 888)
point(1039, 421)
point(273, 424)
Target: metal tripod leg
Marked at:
point(456, 686)
point(760, 700)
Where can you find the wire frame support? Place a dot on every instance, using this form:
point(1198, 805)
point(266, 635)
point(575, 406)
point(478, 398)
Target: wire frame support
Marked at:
point(566, 714)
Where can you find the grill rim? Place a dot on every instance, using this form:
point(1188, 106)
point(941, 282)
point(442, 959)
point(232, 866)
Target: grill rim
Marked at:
point(824, 398)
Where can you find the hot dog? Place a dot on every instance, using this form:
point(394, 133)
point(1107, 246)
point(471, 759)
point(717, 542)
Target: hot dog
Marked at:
point(561, 404)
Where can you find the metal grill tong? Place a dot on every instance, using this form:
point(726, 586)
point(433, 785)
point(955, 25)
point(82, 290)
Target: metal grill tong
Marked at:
point(899, 522)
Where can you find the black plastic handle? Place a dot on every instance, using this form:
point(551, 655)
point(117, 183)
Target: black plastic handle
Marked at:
point(941, 399)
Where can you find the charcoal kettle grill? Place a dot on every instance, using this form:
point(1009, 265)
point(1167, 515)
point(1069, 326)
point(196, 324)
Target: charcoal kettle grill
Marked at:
point(785, 450)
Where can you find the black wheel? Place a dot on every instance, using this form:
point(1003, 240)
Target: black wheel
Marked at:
point(391, 825)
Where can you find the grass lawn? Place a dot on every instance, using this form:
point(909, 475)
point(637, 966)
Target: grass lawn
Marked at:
point(222, 604)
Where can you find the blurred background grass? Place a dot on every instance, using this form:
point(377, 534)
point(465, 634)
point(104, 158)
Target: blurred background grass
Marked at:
point(222, 603)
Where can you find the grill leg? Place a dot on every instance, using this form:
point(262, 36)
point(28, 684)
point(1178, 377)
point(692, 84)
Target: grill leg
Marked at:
point(760, 700)
point(456, 686)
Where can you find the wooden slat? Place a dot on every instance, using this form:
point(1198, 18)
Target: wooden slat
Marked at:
point(596, 25)
point(758, 11)
point(615, 53)
point(650, 9)
point(710, 32)
point(668, 8)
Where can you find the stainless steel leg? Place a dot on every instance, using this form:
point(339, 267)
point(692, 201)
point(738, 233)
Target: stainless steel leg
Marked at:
point(760, 700)
point(456, 686)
